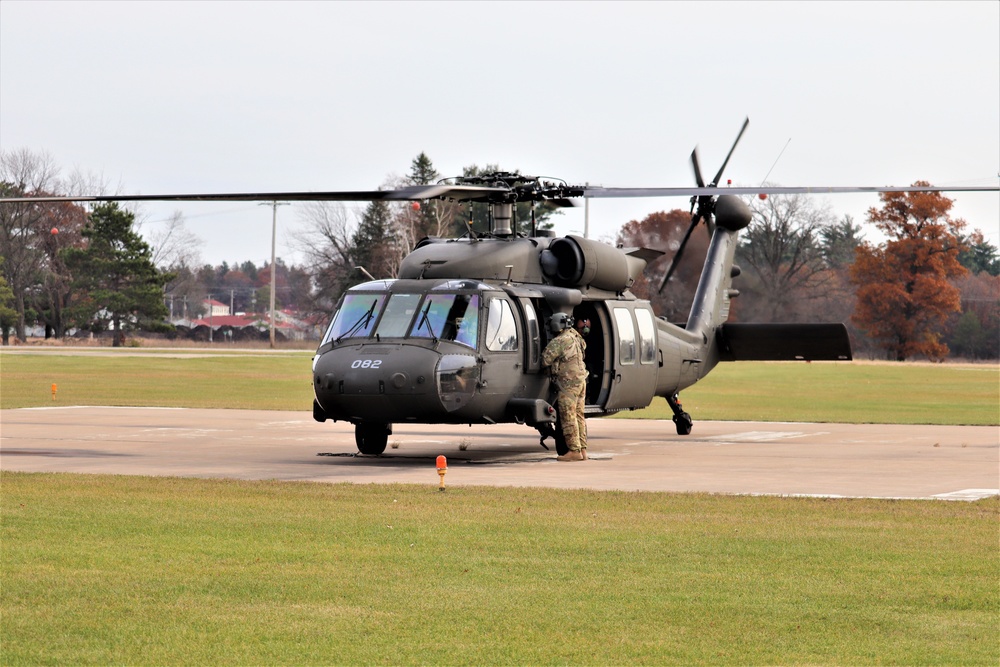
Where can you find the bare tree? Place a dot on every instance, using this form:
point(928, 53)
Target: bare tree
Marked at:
point(173, 244)
point(663, 231)
point(23, 228)
point(782, 249)
point(414, 221)
point(325, 244)
point(89, 183)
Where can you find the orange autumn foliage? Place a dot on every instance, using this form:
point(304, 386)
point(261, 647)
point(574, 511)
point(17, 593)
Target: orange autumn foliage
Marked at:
point(904, 295)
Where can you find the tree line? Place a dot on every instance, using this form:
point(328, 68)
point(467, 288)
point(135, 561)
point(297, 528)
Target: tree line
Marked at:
point(929, 290)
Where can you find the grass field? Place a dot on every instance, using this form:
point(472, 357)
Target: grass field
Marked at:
point(119, 570)
point(818, 392)
point(132, 570)
point(251, 381)
point(858, 392)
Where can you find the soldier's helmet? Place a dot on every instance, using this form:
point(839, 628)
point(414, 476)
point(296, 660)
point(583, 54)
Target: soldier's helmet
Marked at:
point(560, 321)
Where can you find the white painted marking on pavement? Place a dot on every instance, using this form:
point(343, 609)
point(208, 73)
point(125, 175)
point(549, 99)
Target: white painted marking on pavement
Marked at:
point(969, 494)
point(761, 436)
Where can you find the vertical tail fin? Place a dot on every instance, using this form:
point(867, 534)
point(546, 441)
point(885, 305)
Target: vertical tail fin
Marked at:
point(711, 301)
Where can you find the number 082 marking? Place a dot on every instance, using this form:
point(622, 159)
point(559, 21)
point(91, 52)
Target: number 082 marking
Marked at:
point(366, 363)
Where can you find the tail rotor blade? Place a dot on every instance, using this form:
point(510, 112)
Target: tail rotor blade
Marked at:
point(697, 169)
point(680, 252)
point(703, 207)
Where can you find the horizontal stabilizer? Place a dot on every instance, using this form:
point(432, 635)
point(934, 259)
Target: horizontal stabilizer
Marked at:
point(784, 342)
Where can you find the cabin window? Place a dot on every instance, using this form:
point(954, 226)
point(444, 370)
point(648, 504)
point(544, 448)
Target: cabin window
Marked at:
point(647, 336)
point(398, 315)
point(626, 336)
point(355, 317)
point(501, 329)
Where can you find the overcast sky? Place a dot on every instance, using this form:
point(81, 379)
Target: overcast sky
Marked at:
point(260, 96)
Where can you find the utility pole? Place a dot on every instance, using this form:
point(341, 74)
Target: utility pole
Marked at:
point(274, 235)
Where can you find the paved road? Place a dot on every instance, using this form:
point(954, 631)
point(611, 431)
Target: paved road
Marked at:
point(719, 457)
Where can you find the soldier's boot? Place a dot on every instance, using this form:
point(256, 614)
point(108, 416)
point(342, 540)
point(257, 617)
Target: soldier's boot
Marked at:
point(583, 452)
point(571, 455)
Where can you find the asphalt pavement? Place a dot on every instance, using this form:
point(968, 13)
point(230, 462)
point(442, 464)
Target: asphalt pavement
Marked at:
point(795, 459)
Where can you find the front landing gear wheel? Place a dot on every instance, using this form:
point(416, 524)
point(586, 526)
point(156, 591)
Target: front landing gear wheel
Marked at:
point(372, 438)
point(684, 423)
point(561, 447)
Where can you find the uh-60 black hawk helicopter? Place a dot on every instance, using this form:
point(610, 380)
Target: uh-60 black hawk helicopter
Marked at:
point(457, 336)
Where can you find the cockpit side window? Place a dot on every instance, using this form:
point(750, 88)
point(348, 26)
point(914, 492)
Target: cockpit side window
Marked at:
point(465, 315)
point(501, 329)
point(355, 317)
point(532, 336)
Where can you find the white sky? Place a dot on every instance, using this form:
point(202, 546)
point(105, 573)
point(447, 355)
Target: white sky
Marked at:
point(263, 96)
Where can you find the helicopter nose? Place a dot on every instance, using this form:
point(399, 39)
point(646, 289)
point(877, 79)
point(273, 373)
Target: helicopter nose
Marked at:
point(392, 383)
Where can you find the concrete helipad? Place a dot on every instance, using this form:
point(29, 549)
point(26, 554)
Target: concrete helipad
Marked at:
point(953, 462)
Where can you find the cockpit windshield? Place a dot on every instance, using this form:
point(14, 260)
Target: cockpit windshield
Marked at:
point(438, 316)
point(356, 316)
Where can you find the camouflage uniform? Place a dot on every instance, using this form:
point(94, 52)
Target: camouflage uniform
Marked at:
point(564, 356)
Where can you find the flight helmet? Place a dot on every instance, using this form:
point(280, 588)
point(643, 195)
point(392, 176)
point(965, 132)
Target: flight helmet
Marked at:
point(560, 321)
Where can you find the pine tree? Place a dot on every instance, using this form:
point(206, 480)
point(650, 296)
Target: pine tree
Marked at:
point(422, 171)
point(118, 287)
point(979, 254)
point(372, 241)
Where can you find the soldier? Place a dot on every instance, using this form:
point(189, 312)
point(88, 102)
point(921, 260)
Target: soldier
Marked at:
point(564, 357)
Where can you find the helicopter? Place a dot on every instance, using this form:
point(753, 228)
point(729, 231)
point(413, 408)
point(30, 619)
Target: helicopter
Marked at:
point(456, 337)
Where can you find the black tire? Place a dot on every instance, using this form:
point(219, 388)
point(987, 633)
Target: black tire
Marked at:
point(371, 438)
point(684, 423)
point(561, 446)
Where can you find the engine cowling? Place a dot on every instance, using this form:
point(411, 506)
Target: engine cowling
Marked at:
point(573, 261)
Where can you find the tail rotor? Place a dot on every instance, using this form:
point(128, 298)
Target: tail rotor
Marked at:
point(702, 206)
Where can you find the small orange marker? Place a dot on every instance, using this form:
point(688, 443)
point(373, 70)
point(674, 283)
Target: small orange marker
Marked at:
point(54, 391)
point(442, 466)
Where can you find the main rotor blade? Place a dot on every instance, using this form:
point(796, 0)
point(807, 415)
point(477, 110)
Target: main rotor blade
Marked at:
point(715, 181)
point(560, 203)
point(413, 192)
point(612, 193)
point(480, 193)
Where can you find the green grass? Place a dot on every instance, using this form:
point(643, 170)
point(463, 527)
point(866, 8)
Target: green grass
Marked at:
point(818, 392)
point(864, 393)
point(131, 570)
point(268, 382)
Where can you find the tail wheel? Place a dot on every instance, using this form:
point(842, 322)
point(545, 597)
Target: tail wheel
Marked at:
point(684, 423)
point(372, 438)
